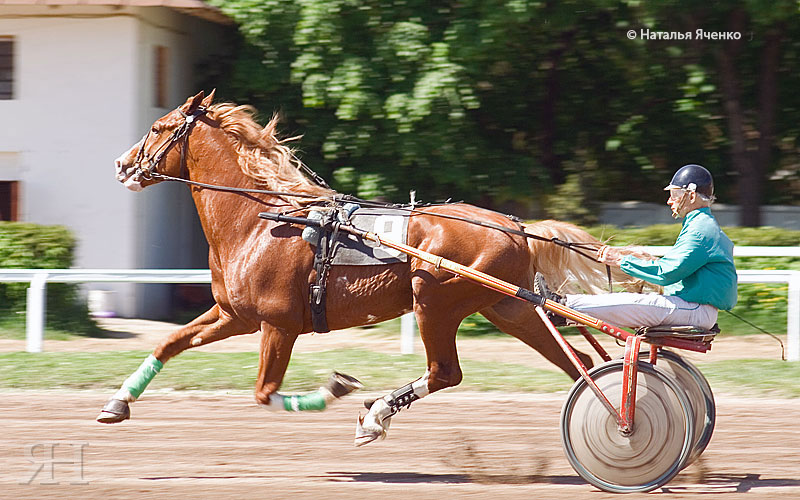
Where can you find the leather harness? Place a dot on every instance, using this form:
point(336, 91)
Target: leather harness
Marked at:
point(323, 260)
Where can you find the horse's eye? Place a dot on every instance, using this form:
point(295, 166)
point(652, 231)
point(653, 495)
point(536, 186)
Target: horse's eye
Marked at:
point(155, 131)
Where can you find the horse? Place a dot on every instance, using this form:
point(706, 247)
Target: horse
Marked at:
point(261, 270)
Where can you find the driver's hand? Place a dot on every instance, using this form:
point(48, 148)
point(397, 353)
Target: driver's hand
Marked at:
point(609, 255)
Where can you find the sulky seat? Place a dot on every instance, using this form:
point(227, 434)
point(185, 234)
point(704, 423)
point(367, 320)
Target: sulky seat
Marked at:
point(680, 332)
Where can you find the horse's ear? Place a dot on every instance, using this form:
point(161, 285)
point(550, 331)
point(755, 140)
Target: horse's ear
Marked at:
point(194, 102)
point(209, 99)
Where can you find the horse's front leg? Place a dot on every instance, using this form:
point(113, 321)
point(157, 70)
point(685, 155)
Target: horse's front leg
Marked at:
point(212, 325)
point(276, 350)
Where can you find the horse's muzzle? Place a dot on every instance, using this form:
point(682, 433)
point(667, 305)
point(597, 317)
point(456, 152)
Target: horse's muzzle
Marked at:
point(130, 177)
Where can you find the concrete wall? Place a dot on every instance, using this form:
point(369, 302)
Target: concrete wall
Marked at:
point(83, 94)
point(169, 231)
point(73, 96)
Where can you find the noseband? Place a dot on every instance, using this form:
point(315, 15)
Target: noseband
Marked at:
point(180, 134)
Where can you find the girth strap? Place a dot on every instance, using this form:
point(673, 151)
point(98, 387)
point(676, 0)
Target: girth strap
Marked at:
point(323, 259)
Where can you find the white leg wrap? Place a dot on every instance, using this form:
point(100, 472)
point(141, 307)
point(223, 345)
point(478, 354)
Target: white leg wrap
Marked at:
point(275, 402)
point(124, 395)
point(420, 385)
point(376, 422)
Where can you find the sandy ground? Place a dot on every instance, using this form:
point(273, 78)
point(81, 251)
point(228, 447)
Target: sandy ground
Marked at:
point(452, 444)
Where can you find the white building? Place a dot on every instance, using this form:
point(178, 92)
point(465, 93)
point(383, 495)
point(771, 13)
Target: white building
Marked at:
point(80, 82)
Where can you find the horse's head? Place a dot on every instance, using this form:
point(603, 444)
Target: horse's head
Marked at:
point(162, 149)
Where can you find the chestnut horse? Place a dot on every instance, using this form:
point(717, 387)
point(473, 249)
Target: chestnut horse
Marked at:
point(261, 270)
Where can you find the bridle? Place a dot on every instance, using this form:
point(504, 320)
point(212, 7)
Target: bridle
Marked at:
point(179, 134)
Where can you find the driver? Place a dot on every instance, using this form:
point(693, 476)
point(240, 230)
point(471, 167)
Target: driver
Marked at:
point(697, 273)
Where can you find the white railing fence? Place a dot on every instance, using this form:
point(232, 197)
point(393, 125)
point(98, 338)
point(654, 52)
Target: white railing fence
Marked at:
point(38, 279)
point(793, 307)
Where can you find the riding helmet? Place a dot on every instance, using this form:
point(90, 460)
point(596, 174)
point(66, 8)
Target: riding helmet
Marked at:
point(693, 174)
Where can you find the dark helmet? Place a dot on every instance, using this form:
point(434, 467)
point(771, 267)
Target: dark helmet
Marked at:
point(693, 178)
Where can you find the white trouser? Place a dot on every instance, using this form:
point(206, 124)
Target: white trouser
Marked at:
point(633, 310)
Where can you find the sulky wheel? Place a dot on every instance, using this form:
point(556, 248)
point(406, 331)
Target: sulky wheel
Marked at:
point(700, 396)
point(656, 450)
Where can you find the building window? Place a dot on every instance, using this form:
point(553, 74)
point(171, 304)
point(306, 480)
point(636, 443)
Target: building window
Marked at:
point(6, 67)
point(8, 200)
point(160, 57)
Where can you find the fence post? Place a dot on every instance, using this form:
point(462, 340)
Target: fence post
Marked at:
point(35, 312)
point(793, 319)
point(408, 330)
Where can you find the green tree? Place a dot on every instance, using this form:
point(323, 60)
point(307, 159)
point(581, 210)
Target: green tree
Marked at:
point(500, 102)
point(741, 86)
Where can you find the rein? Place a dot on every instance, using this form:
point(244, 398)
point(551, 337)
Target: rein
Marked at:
point(184, 130)
point(228, 189)
point(577, 247)
point(574, 246)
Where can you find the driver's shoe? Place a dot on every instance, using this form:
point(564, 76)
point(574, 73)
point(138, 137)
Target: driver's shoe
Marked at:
point(540, 288)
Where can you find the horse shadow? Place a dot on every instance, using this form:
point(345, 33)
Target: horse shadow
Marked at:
point(472, 465)
point(712, 483)
point(466, 478)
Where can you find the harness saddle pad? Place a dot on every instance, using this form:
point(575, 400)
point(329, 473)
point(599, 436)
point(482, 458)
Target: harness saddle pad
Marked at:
point(392, 224)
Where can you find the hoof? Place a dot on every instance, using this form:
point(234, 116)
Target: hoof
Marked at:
point(114, 411)
point(341, 385)
point(366, 436)
point(373, 426)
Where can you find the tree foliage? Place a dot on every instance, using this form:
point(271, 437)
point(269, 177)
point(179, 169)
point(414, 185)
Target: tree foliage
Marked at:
point(516, 104)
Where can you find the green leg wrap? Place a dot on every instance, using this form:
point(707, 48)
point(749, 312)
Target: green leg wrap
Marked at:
point(312, 401)
point(339, 385)
point(134, 385)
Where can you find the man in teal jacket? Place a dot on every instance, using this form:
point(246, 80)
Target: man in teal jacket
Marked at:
point(697, 273)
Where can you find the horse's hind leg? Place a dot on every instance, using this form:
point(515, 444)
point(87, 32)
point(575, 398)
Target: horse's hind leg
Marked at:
point(212, 325)
point(438, 333)
point(376, 422)
point(276, 350)
point(521, 321)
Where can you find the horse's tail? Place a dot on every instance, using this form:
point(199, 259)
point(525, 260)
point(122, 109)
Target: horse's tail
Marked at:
point(567, 271)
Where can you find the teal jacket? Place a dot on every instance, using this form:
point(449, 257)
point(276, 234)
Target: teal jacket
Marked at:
point(698, 268)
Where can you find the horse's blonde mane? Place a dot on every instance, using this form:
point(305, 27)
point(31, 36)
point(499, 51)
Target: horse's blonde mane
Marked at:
point(569, 272)
point(264, 156)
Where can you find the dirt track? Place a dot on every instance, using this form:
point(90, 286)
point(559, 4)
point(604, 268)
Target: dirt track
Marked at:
point(448, 446)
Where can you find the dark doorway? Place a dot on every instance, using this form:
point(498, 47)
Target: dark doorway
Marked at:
point(8, 200)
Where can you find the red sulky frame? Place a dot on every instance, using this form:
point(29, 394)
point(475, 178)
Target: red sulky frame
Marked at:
point(625, 415)
point(627, 409)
